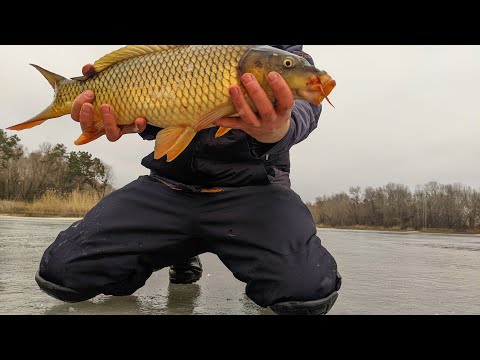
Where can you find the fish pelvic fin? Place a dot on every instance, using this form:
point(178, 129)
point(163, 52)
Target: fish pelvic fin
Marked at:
point(222, 131)
point(173, 141)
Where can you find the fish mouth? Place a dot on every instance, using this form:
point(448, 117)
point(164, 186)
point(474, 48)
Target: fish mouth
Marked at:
point(319, 86)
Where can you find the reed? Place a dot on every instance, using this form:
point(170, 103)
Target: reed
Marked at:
point(53, 204)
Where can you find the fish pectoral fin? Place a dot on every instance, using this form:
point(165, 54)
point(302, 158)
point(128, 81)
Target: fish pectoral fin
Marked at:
point(172, 141)
point(219, 112)
point(222, 131)
point(86, 137)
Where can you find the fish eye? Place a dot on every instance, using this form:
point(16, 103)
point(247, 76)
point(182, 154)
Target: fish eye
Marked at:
point(288, 63)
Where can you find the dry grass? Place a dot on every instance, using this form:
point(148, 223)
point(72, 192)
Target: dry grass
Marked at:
point(53, 204)
point(366, 227)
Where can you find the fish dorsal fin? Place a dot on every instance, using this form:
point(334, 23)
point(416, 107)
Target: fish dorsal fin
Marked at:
point(125, 53)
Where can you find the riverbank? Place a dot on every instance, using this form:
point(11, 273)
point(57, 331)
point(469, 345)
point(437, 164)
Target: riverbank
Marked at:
point(399, 229)
point(77, 204)
point(52, 205)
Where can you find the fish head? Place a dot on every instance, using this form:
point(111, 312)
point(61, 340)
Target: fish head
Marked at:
point(305, 80)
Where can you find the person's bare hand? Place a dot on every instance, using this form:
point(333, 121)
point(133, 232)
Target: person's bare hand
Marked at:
point(272, 122)
point(83, 112)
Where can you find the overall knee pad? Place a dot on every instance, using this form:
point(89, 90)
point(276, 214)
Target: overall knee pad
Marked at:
point(313, 307)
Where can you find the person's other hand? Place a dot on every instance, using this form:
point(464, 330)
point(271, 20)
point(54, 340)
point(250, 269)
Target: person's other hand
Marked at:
point(272, 122)
point(83, 112)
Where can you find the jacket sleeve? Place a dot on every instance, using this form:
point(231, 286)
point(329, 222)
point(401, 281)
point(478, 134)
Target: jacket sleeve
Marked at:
point(150, 132)
point(305, 117)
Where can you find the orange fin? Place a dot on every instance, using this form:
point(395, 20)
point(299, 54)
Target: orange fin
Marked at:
point(48, 113)
point(26, 125)
point(172, 142)
point(222, 131)
point(207, 119)
point(166, 139)
point(87, 137)
point(51, 111)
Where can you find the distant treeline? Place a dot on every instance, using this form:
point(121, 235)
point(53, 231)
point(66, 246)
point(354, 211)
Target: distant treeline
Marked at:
point(27, 176)
point(430, 206)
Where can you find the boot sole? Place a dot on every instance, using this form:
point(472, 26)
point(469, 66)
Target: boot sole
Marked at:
point(185, 279)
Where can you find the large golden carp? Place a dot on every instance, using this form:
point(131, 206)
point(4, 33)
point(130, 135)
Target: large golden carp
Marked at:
point(182, 89)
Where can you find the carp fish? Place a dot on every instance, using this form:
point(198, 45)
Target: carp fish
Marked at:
point(181, 89)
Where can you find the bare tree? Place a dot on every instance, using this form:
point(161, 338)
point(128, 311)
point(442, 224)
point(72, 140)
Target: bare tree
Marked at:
point(432, 205)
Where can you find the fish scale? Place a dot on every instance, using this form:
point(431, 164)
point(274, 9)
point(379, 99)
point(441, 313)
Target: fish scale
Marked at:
point(162, 88)
point(180, 89)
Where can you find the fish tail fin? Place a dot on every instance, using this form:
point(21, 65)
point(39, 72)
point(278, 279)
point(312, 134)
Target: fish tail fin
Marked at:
point(52, 78)
point(49, 113)
point(172, 142)
point(52, 111)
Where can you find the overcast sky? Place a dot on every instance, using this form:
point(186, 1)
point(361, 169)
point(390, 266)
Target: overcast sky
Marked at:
point(404, 114)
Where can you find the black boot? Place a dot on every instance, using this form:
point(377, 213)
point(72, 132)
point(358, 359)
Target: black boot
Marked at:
point(186, 273)
point(315, 307)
